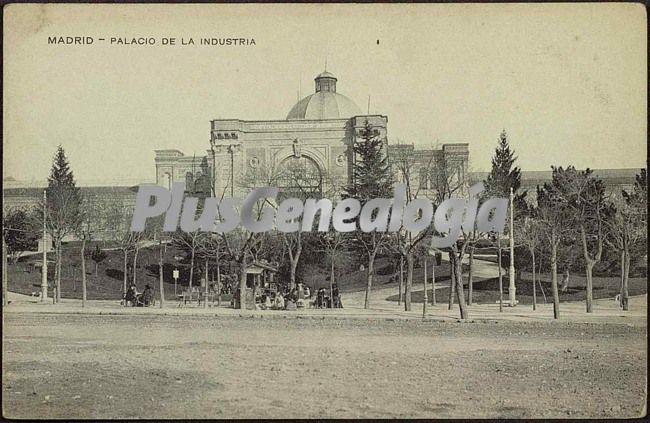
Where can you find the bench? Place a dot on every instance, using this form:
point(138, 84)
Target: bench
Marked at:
point(198, 296)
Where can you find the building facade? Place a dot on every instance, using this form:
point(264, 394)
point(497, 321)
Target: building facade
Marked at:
point(311, 148)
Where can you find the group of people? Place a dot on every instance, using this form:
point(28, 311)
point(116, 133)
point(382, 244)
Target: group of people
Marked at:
point(326, 299)
point(301, 296)
point(135, 299)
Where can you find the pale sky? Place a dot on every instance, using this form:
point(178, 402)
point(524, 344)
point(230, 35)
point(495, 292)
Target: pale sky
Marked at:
point(566, 81)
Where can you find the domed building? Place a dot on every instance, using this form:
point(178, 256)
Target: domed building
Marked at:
point(314, 141)
point(310, 150)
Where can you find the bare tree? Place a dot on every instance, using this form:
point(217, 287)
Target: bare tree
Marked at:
point(529, 234)
point(587, 199)
point(628, 228)
point(85, 231)
point(19, 233)
point(554, 213)
point(297, 177)
point(190, 243)
point(239, 245)
point(212, 247)
point(333, 244)
point(118, 230)
point(416, 175)
point(448, 182)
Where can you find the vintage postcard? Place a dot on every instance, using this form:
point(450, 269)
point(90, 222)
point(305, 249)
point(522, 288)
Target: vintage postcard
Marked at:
point(314, 211)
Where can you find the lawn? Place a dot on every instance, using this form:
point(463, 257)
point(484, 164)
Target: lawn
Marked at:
point(487, 291)
point(107, 283)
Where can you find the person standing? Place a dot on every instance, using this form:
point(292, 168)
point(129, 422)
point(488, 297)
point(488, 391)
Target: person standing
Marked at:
point(337, 296)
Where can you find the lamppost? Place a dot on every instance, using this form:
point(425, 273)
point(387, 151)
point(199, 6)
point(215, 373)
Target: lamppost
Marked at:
point(44, 276)
point(511, 271)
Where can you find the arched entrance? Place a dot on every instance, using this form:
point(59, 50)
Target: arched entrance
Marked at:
point(300, 177)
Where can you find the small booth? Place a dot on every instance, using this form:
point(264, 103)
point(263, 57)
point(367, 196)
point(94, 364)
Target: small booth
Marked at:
point(260, 276)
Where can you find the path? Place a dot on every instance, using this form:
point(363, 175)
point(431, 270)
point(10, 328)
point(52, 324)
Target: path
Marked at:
point(605, 310)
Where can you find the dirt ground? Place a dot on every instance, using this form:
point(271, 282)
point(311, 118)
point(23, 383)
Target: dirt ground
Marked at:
point(138, 366)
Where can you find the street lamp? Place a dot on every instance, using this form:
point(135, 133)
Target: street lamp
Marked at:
point(511, 271)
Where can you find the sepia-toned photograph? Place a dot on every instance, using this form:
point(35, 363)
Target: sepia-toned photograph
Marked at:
point(324, 211)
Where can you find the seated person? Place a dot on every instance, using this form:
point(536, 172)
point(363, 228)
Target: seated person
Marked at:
point(279, 302)
point(290, 305)
point(130, 296)
point(320, 298)
point(147, 296)
point(267, 302)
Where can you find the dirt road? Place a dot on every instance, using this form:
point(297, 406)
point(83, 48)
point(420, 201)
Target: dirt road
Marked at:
point(85, 366)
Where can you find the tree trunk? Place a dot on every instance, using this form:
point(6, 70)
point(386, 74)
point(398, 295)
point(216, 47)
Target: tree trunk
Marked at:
point(371, 271)
point(205, 288)
point(293, 267)
point(160, 274)
point(426, 298)
point(620, 291)
point(539, 281)
point(59, 258)
point(626, 279)
point(331, 283)
point(470, 283)
point(401, 279)
point(556, 295)
point(83, 272)
point(293, 261)
point(460, 292)
point(500, 273)
point(532, 253)
point(96, 270)
point(126, 259)
point(452, 279)
point(409, 281)
point(5, 288)
point(135, 262)
point(191, 269)
point(242, 284)
point(56, 273)
point(433, 281)
point(589, 268)
point(218, 284)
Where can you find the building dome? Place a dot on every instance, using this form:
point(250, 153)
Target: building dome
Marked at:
point(325, 103)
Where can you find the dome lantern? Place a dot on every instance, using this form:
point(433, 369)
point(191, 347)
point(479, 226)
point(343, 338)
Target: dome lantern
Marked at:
point(325, 82)
point(325, 103)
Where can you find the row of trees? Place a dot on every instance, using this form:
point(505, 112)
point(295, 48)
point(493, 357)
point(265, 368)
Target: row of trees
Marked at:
point(572, 210)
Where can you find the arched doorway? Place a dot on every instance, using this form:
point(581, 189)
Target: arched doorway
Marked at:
point(300, 177)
